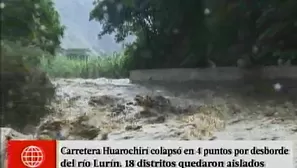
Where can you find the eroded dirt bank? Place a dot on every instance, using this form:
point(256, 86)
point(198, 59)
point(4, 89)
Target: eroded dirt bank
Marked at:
point(117, 110)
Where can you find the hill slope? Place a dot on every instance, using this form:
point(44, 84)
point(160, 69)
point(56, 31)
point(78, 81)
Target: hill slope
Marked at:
point(80, 32)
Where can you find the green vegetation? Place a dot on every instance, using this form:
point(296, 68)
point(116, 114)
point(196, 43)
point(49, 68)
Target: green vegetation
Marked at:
point(105, 66)
point(26, 90)
point(30, 30)
point(187, 33)
point(32, 22)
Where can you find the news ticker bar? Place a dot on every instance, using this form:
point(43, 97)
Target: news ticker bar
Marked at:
point(181, 154)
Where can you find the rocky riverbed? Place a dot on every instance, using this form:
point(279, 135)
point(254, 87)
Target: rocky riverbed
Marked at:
point(105, 109)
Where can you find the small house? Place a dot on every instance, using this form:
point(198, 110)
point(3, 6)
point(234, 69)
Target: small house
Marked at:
point(78, 53)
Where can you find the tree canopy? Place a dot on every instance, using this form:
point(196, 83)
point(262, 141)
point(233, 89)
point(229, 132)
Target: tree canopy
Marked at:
point(31, 22)
point(189, 33)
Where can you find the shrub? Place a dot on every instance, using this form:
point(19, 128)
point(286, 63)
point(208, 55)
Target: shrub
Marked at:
point(109, 66)
point(26, 90)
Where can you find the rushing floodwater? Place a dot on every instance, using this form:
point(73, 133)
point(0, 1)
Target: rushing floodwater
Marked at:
point(120, 118)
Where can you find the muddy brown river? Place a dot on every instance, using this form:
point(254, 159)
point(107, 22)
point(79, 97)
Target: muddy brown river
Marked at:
point(115, 109)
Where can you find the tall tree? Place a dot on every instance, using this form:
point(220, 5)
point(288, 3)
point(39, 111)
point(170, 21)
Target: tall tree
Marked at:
point(177, 33)
point(33, 22)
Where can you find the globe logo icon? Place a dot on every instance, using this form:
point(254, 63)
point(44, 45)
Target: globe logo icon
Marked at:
point(32, 156)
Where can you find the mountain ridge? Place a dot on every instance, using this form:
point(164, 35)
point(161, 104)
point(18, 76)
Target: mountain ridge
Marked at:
point(82, 33)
